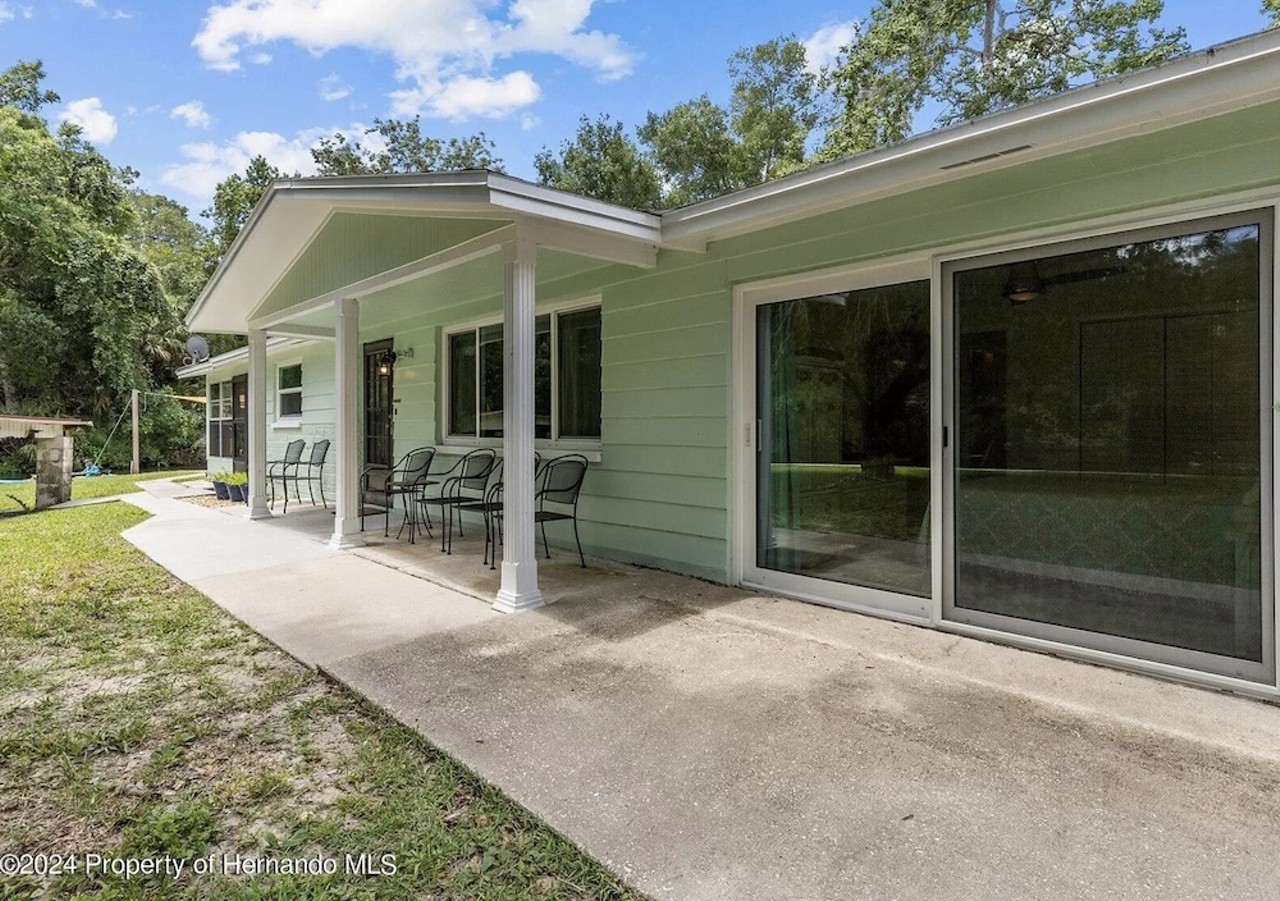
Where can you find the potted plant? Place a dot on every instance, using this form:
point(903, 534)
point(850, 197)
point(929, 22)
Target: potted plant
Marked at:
point(219, 480)
point(237, 485)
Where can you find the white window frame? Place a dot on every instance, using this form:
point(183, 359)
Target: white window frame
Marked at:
point(217, 413)
point(293, 420)
point(555, 310)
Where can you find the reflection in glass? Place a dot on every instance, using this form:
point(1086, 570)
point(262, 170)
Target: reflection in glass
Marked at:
point(843, 410)
point(579, 375)
point(1107, 458)
point(462, 383)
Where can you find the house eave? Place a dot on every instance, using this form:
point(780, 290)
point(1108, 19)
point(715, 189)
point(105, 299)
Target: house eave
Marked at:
point(240, 354)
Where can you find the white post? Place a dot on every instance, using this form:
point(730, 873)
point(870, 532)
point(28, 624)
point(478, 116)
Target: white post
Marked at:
point(519, 589)
point(346, 522)
point(258, 425)
point(135, 465)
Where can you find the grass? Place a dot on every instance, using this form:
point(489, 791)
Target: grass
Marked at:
point(137, 719)
point(15, 497)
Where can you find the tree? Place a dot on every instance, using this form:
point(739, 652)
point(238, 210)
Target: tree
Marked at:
point(601, 162)
point(77, 300)
point(695, 152)
point(1271, 9)
point(406, 149)
point(234, 199)
point(973, 57)
point(775, 105)
point(20, 87)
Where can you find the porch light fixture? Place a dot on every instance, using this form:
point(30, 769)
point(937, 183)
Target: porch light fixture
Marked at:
point(386, 361)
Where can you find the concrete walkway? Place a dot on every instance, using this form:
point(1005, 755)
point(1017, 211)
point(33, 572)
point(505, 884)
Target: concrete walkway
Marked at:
point(709, 743)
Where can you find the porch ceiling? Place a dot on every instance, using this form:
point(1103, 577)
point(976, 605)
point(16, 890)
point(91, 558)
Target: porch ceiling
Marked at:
point(307, 235)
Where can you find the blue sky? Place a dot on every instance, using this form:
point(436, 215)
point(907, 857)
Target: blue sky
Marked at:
point(186, 92)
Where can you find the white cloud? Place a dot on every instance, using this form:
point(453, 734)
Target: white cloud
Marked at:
point(206, 163)
point(98, 125)
point(87, 4)
point(824, 45)
point(445, 51)
point(332, 88)
point(192, 113)
point(10, 11)
point(528, 122)
point(463, 97)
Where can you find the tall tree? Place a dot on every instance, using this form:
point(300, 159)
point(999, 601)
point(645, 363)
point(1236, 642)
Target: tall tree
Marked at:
point(695, 152)
point(404, 149)
point(775, 105)
point(234, 199)
point(973, 57)
point(77, 300)
point(1271, 9)
point(601, 162)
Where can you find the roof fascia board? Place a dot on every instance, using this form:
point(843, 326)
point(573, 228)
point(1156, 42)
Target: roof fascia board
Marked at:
point(475, 248)
point(588, 242)
point(1195, 87)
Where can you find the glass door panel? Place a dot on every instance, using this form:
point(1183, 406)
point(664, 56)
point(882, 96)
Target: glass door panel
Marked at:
point(842, 407)
point(1107, 468)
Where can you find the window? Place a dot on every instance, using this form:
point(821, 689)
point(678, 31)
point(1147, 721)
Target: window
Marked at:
point(566, 368)
point(289, 392)
point(220, 428)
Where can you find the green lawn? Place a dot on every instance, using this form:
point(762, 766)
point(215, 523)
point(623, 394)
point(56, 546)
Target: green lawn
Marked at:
point(139, 720)
point(13, 497)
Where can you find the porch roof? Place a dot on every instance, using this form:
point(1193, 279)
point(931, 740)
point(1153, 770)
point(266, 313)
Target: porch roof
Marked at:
point(294, 211)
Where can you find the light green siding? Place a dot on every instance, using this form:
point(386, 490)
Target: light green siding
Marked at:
point(660, 494)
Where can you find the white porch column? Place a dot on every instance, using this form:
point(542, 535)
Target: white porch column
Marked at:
point(346, 522)
point(519, 589)
point(258, 425)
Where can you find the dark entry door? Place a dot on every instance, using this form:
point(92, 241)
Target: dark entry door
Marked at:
point(379, 412)
point(240, 423)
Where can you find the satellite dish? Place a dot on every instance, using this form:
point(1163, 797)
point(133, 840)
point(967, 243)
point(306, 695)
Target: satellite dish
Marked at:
point(197, 349)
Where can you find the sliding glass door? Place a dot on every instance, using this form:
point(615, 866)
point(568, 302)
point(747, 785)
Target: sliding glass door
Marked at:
point(842, 462)
point(1108, 474)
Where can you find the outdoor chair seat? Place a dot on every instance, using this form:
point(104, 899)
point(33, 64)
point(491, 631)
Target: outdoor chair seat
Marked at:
point(466, 482)
point(311, 471)
point(279, 470)
point(381, 489)
point(559, 484)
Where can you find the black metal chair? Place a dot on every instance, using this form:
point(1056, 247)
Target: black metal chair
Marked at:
point(278, 471)
point(559, 484)
point(466, 482)
point(381, 488)
point(314, 472)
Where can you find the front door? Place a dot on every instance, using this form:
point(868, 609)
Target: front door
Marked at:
point(379, 404)
point(240, 423)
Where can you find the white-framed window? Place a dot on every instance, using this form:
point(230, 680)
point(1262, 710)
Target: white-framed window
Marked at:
point(289, 392)
point(567, 376)
point(220, 427)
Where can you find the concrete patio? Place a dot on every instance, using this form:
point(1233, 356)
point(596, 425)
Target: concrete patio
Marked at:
point(710, 743)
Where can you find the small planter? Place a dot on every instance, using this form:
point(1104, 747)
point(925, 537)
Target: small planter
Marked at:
point(221, 491)
point(236, 493)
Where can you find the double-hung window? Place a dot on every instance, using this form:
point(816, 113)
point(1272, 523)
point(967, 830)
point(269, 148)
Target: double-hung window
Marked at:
point(220, 428)
point(289, 393)
point(566, 377)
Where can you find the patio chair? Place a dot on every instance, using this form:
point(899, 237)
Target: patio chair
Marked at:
point(311, 472)
point(466, 482)
point(278, 471)
point(381, 488)
point(559, 484)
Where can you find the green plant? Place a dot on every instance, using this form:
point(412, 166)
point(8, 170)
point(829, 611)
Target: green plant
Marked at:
point(236, 478)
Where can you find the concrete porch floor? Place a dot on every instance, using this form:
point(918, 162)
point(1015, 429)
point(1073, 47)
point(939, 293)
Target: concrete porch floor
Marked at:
point(711, 743)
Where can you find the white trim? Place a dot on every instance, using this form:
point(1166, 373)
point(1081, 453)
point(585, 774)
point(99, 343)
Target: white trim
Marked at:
point(554, 309)
point(292, 420)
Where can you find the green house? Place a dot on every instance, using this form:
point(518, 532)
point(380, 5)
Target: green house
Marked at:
point(1011, 379)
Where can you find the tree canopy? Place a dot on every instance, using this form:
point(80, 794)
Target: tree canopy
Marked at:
point(602, 162)
point(972, 57)
point(404, 148)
